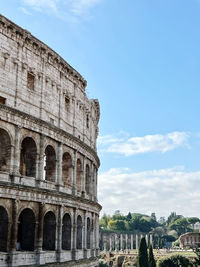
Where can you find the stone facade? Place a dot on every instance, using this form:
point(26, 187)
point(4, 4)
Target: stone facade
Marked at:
point(48, 162)
point(189, 240)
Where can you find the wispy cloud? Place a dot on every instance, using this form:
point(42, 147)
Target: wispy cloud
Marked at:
point(138, 145)
point(160, 191)
point(64, 9)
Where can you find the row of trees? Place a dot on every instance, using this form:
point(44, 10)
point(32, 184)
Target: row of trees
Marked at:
point(164, 231)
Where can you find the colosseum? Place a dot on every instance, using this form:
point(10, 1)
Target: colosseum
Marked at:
point(49, 212)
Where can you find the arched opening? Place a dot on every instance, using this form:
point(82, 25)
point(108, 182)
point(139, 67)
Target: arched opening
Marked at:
point(50, 163)
point(49, 232)
point(78, 175)
point(26, 230)
point(88, 233)
point(28, 157)
point(79, 233)
point(66, 169)
point(3, 229)
point(87, 179)
point(66, 232)
point(5, 151)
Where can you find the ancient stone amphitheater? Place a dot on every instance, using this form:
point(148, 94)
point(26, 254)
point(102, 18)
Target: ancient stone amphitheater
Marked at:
point(48, 162)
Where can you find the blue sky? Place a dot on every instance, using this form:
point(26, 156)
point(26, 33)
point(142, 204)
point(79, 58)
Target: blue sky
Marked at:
point(141, 59)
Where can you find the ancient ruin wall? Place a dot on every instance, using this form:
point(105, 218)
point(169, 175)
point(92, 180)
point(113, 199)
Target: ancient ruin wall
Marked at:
point(48, 162)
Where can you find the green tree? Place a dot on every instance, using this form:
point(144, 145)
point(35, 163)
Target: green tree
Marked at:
point(142, 260)
point(197, 259)
point(152, 262)
point(129, 216)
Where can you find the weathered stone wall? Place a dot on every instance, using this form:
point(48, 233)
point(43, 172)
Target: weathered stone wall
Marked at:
point(48, 163)
point(189, 240)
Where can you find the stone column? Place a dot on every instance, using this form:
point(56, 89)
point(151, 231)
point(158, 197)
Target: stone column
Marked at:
point(92, 235)
point(104, 246)
point(121, 242)
point(74, 233)
point(151, 239)
point(137, 242)
point(146, 238)
point(92, 182)
point(59, 166)
point(85, 235)
point(74, 173)
point(59, 234)
point(39, 232)
point(110, 239)
point(126, 241)
point(13, 233)
point(17, 151)
point(95, 182)
point(97, 235)
point(131, 242)
point(116, 243)
point(41, 158)
point(83, 183)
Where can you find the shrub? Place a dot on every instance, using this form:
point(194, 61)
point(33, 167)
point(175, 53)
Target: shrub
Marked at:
point(174, 261)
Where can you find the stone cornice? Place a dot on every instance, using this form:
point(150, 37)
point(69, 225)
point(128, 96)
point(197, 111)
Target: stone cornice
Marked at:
point(55, 193)
point(25, 38)
point(40, 122)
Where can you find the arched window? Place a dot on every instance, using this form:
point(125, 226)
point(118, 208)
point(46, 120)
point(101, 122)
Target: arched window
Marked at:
point(66, 169)
point(88, 232)
point(3, 229)
point(49, 232)
point(66, 232)
point(87, 179)
point(79, 233)
point(28, 157)
point(79, 175)
point(5, 151)
point(26, 230)
point(50, 163)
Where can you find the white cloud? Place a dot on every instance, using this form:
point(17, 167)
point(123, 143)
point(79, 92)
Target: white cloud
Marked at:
point(64, 9)
point(160, 191)
point(144, 144)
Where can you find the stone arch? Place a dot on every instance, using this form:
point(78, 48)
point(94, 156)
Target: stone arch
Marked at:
point(49, 232)
point(5, 150)
point(66, 168)
point(50, 163)
point(87, 179)
point(79, 171)
point(3, 229)
point(66, 232)
point(79, 232)
point(26, 230)
point(28, 157)
point(88, 233)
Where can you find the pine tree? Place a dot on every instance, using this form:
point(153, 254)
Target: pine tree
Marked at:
point(142, 254)
point(152, 262)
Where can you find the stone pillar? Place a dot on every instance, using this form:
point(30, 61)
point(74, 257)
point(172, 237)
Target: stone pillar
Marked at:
point(97, 235)
point(137, 242)
point(110, 239)
point(59, 234)
point(131, 242)
point(13, 233)
point(85, 235)
point(39, 232)
point(104, 246)
point(146, 238)
point(92, 182)
point(17, 151)
point(95, 183)
point(59, 166)
point(41, 158)
point(151, 239)
point(121, 242)
point(83, 183)
point(93, 235)
point(74, 233)
point(116, 243)
point(126, 241)
point(74, 173)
